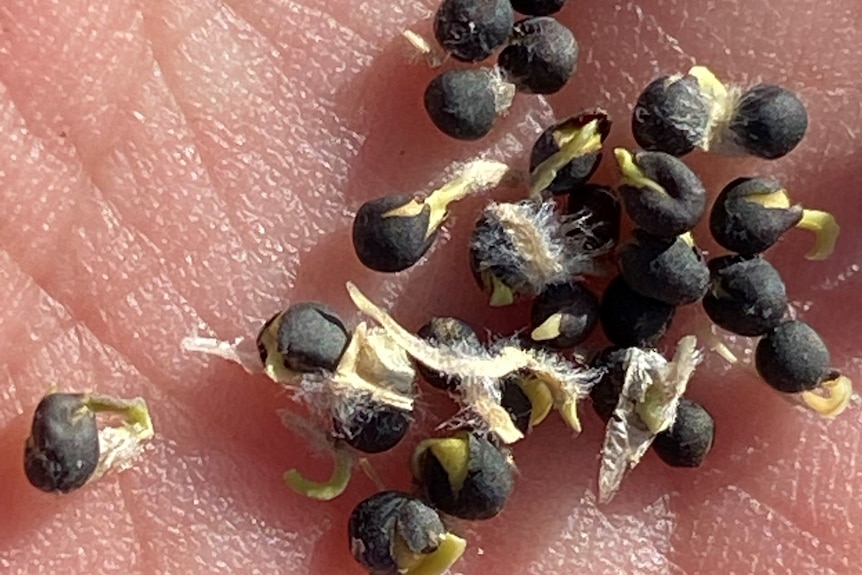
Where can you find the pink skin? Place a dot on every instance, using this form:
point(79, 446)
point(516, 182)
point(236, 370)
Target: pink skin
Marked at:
point(167, 169)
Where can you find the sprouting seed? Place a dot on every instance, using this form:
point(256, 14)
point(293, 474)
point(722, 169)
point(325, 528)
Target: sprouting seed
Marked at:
point(563, 315)
point(471, 30)
point(518, 249)
point(751, 214)
point(66, 449)
point(746, 295)
point(372, 428)
point(598, 207)
point(630, 319)
point(449, 331)
point(768, 121)
point(515, 400)
point(393, 533)
point(672, 115)
point(689, 439)
point(566, 154)
point(670, 270)
point(392, 233)
point(541, 55)
point(465, 103)
point(465, 475)
point(307, 337)
point(605, 394)
point(660, 193)
point(538, 7)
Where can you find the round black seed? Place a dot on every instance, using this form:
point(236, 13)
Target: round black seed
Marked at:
point(471, 30)
point(740, 223)
point(372, 427)
point(600, 210)
point(746, 295)
point(688, 441)
point(768, 121)
point(509, 274)
point(670, 212)
point(582, 166)
point(541, 55)
point(382, 523)
point(538, 7)
point(793, 358)
point(62, 451)
point(450, 332)
point(577, 309)
point(630, 319)
point(669, 270)
point(516, 403)
point(462, 103)
point(388, 241)
point(485, 488)
point(671, 115)
point(309, 337)
point(605, 394)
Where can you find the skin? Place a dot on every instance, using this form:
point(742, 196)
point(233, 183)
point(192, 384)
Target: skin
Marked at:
point(170, 167)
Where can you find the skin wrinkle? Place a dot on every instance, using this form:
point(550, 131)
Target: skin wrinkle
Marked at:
point(243, 545)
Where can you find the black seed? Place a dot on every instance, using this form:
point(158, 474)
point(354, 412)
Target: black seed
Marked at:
point(582, 167)
point(391, 242)
point(62, 451)
point(488, 483)
point(666, 269)
point(630, 319)
point(448, 331)
point(538, 7)
point(671, 115)
point(309, 336)
point(516, 403)
point(372, 427)
point(793, 358)
point(605, 394)
point(600, 210)
point(385, 521)
point(541, 56)
point(688, 441)
point(746, 295)
point(740, 223)
point(768, 121)
point(673, 211)
point(471, 30)
point(579, 313)
point(462, 103)
point(510, 273)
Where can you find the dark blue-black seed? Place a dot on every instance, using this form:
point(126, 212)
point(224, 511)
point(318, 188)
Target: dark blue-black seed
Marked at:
point(793, 358)
point(671, 211)
point(578, 311)
point(462, 103)
point(740, 223)
point(378, 522)
point(486, 488)
point(600, 211)
point(666, 269)
point(768, 121)
point(671, 115)
point(690, 438)
point(388, 241)
point(516, 403)
point(605, 394)
point(62, 452)
point(309, 336)
point(471, 30)
point(538, 7)
point(372, 427)
point(746, 295)
point(630, 319)
point(541, 56)
point(506, 273)
point(448, 331)
point(583, 165)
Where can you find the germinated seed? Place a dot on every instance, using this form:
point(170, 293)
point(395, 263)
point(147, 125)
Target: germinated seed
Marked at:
point(768, 121)
point(309, 337)
point(598, 207)
point(630, 319)
point(577, 142)
point(672, 115)
point(372, 427)
point(690, 438)
point(793, 358)
point(563, 315)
